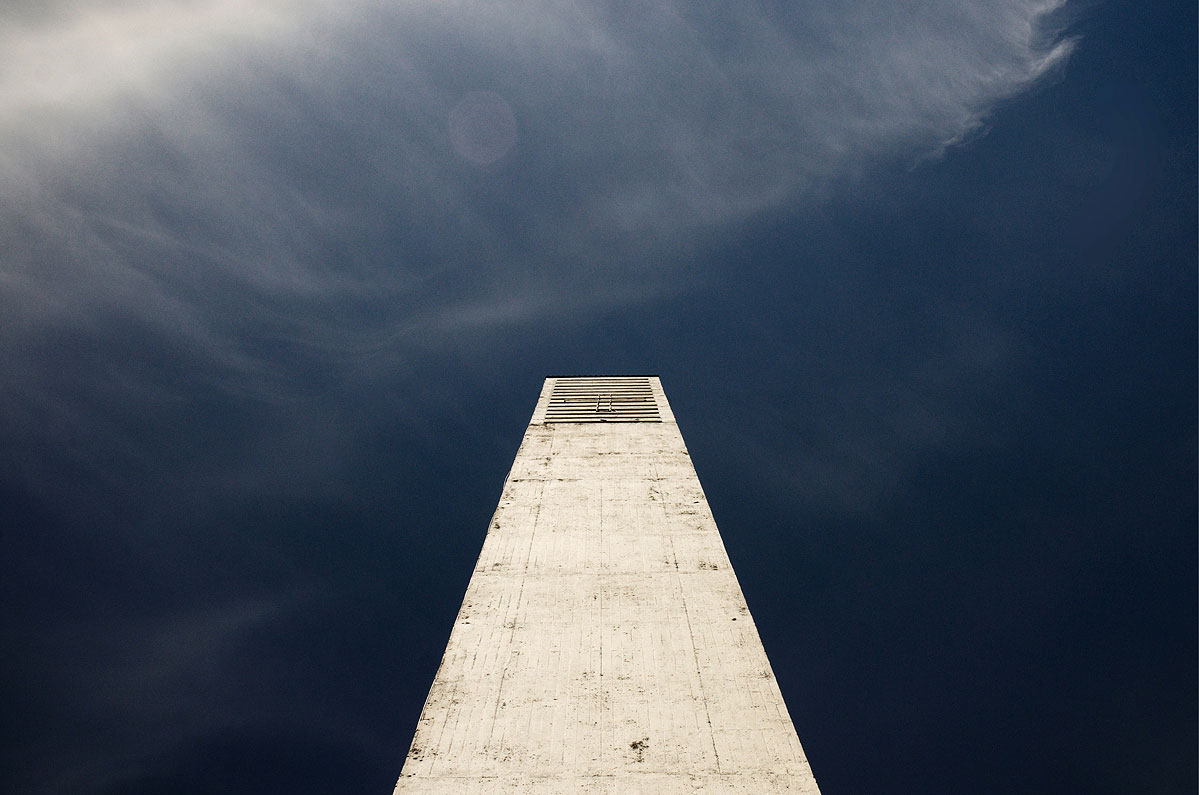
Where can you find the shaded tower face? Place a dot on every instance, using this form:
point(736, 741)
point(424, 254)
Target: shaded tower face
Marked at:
point(604, 645)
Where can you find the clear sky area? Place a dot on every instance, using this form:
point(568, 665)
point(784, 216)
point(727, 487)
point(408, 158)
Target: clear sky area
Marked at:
point(280, 281)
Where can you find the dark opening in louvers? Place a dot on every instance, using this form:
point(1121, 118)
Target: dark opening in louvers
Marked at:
point(614, 399)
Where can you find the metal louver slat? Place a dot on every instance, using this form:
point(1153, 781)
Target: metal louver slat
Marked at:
point(628, 399)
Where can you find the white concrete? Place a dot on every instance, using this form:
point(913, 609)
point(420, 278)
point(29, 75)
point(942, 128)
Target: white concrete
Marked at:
point(604, 645)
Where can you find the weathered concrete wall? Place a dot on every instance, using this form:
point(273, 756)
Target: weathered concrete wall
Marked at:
point(604, 645)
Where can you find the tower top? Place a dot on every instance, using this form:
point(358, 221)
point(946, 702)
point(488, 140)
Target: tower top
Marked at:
point(602, 398)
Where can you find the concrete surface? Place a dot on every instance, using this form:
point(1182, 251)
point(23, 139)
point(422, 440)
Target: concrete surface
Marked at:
point(604, 645)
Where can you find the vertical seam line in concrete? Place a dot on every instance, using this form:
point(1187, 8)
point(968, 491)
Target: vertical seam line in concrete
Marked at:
point(499, 694)
point(690, 632)
point(600, 580)
point(600, 583)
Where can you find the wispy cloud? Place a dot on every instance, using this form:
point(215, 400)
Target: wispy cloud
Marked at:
point(290, 148)
point(225, 172)
point(207, 199)
point(238, 177)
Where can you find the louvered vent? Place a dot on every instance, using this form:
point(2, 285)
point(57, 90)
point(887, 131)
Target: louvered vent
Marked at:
point(615, 399)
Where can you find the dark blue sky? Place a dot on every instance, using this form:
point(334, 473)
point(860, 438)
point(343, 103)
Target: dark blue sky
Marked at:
point(279, 283)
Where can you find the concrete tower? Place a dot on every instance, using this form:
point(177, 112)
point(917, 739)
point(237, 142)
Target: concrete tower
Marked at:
point(604, 645)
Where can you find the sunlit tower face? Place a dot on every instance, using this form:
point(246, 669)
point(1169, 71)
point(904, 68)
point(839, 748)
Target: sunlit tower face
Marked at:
point(604, 644)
